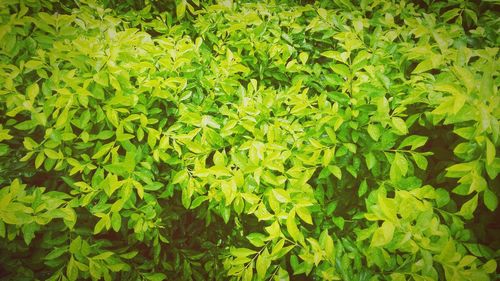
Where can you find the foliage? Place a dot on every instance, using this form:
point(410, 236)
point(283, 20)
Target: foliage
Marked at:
point(216, 140)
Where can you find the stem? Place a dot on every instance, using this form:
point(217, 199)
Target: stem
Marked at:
point(274, 273)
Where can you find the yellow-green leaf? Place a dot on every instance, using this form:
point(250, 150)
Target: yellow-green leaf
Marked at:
point(292, 228)
point(304, 214)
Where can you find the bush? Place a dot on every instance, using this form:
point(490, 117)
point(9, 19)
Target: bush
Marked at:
point(197, 140)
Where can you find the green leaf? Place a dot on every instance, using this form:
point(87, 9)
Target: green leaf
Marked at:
point(39, 159)
point(95, 269)
point(423, 66)
point(33, 64)
point(155, 276)
point(339, 221)
point(26, 125)
point(256, 239)
point(399, 166)
point(490, 200)
point(401, 163)
point(292, 228)
point(370, 160)
point(304, 214)
point(442, 197)
point(468, 208)
point(180, 8)
point(490, 266)
point(197, 201)
point(229, 190)
point(99, 225)
point(281, 195)
point(458, 170)
point(420, 160)
point(490, 152)
point(103, 150)
point(326, 243)
point(101, 78)
point(129, 255)
point(400, 125)
point(29, 143)
point(274, 230)
point(32, 91)
point(363, 188)
point(71, 270)
point(322, 13)
point(29, 232)
point(330, 54)
point(414, 141)
point(56, 252)
point(62, 119)
point(387, 206)
point(116, 168)
point(103, 256)
point(374, 132)
point(248, 273)
point(303, 57)
point(383, 235)
point(262, 264)
point(180, 176)
point(327, 157)
point(450, 14)
point(341, 69)
point(335, 170)
point(241, 252)
point(116, 221)
point(75, 245)
point(466, 261)
point(471, 14)
point(448, 251)
point(51, 154)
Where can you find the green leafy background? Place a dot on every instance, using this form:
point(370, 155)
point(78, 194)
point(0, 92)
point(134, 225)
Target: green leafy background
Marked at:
point(249, 140)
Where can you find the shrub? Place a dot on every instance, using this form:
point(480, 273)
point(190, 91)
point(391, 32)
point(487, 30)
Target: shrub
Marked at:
point(197, 140)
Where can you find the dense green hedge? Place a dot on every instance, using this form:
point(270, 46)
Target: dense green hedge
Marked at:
point(188, 140)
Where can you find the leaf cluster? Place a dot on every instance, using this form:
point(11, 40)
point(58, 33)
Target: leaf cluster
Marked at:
point(249, 140)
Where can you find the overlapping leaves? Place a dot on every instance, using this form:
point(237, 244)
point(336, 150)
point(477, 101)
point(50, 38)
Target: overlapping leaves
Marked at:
point(345, 140)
